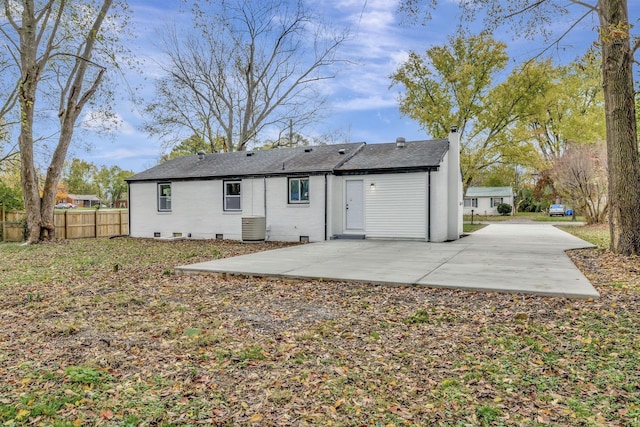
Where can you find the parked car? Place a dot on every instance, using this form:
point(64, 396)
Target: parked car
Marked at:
point(556, 210)
point(62, 205)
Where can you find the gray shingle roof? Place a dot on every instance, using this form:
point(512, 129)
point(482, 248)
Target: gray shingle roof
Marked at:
point(489, 192)
point(414, 155)
point(317, 159)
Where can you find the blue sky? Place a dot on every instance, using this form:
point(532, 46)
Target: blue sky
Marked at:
point(362, 106)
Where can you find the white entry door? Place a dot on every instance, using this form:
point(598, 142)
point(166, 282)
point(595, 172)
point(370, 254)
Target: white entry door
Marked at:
point(354, 205)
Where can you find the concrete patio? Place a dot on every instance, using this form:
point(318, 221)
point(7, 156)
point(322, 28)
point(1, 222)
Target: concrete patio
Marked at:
point(515, 258)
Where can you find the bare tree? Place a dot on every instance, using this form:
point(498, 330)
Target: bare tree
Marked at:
point(580, 175)
point(52, 43)
point(618, 48)
point(248, 66)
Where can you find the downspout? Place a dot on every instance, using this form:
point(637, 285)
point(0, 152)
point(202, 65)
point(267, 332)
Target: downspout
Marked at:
point(264, 187)
point(325, 206)
point(429, 207)
point(129, 207)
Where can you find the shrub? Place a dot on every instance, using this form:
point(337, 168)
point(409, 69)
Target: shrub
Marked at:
point(504, 208)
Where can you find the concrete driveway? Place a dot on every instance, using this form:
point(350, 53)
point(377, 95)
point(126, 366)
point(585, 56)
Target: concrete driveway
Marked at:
point(517, 258)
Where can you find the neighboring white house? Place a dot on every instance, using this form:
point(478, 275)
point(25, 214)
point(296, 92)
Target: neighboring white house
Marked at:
point(485, 200)
point(401, 190)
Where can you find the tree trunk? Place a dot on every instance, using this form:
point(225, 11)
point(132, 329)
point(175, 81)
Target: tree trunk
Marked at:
point(30, 188)
point(27, 95)
point(622, 143)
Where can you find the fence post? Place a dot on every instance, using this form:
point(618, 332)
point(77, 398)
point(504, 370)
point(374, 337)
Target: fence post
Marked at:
point(66, 224)
point(2, 221)
point(95, 222)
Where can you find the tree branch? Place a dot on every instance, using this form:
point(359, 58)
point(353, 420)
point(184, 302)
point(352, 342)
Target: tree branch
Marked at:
point(525, 10)
point(46, 12)
point(79, 57)
point(587, 5)
point(635, 47)
point(562, 36)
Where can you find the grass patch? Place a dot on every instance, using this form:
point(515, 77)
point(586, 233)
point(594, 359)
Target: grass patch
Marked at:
point(421, 316)
point(531, 216)
point(568, 219)
point(595, 234)
point(470, 228)
point(86, 375)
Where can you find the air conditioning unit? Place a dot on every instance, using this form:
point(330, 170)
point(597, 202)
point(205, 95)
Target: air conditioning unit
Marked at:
point(253, 229)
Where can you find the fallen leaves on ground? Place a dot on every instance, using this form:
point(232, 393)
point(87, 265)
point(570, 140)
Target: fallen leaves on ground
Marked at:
point(86, 342)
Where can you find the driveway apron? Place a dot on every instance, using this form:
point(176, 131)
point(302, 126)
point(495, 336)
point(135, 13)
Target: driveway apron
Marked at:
point(516, 258)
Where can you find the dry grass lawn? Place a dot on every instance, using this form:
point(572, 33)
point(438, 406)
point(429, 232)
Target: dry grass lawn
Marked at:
point(102, 332)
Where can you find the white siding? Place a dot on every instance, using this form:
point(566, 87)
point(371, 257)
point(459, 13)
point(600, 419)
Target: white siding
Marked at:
point(395, 207)
point(288, 222)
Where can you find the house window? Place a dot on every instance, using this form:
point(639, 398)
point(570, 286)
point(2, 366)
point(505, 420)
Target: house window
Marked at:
point(164, 197)
point(495, 201)
point(471, 202)
point(232, 196)
point(298, 190)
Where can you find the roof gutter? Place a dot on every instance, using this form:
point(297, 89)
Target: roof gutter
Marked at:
point(407, 169)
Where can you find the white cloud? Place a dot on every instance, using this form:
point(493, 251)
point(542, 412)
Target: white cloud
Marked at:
point(372, 102)
point(100, 121)
point(122, 153)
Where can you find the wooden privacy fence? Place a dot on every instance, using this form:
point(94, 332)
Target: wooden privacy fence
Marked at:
point(72, 224)
point(12, 226)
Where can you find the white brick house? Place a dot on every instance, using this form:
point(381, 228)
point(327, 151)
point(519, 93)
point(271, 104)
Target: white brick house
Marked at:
point(401, 190)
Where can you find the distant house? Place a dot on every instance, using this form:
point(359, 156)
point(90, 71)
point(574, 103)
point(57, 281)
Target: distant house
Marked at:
point(401, 190)
point(83, 200)
point(485, 200)
point(122, 202)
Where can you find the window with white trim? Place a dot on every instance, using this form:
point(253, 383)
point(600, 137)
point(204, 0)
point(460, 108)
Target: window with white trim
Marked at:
point(299, 190)
point(470, 202)
point(232, 195)
point(495, 201)
point(164, 197)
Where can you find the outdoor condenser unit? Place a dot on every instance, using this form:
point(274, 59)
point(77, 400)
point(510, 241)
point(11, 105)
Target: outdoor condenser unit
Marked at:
point(253, 228)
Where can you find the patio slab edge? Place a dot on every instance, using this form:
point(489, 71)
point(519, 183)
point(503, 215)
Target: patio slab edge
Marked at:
point(189, 270)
